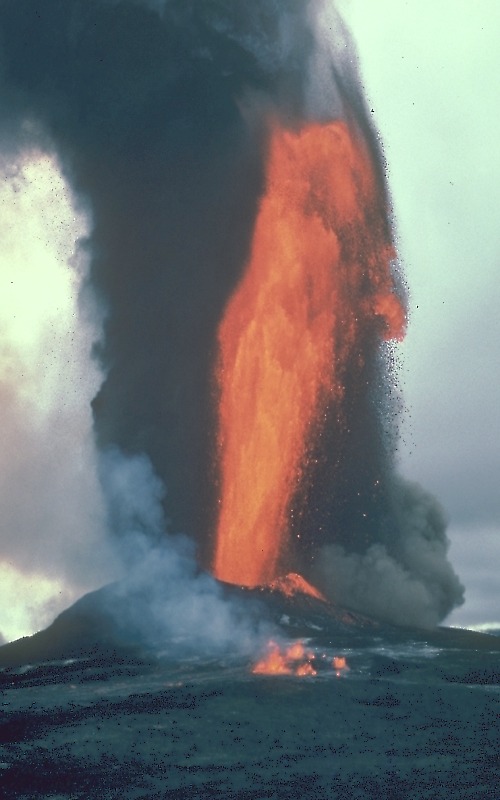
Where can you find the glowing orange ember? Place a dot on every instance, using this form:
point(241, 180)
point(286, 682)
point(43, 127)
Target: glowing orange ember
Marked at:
point(339, 664)
point(295, 659)
point(292, 660)
point(318, 273)
point(293, 584)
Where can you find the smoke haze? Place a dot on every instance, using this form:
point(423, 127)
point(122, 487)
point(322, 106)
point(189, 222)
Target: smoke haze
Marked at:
point(157, 112)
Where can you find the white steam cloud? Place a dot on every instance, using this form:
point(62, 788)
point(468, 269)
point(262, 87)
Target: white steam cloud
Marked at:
point(163, 599)
point(52, 524)
point(72, 518)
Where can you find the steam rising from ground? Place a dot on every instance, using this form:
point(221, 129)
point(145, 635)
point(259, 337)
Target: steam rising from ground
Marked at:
point(154, 110)
point(74, 518)
point(163, 598)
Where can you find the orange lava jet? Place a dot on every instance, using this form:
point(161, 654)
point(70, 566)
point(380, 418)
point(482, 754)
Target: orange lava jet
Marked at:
point(319, 272)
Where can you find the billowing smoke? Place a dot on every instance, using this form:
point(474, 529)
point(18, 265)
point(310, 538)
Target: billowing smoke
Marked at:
point(53, 514)
point(164, 599)
point(407, 580)
point(157, 113)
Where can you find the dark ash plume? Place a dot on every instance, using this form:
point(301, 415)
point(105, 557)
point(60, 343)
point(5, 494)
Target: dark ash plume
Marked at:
point(155, 110)
point(406, 579)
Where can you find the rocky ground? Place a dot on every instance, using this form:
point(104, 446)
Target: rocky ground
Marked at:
point(414, 716)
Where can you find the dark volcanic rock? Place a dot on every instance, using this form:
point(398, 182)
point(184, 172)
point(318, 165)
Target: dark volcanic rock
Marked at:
point(85, 628)
point(113, 623)
point(92, 708)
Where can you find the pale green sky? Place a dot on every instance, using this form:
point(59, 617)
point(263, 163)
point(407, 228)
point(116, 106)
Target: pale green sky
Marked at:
point(431, 69)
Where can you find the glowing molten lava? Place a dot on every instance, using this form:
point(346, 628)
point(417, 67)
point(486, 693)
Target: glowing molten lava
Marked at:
point(339, 664)
point(293, 584)
point(292, 660)
point(295, 659)
point(318, 274)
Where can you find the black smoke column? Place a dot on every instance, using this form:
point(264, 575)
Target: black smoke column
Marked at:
point(144, 116)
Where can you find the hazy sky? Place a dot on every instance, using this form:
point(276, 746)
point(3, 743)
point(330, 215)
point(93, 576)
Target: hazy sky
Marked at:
point(431, 69)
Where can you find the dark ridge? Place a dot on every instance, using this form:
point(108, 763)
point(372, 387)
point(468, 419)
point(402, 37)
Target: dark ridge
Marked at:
point(101, 627)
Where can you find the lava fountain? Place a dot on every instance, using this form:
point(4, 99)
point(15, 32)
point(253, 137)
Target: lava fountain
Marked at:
point(238, 272)
point(290, 330)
